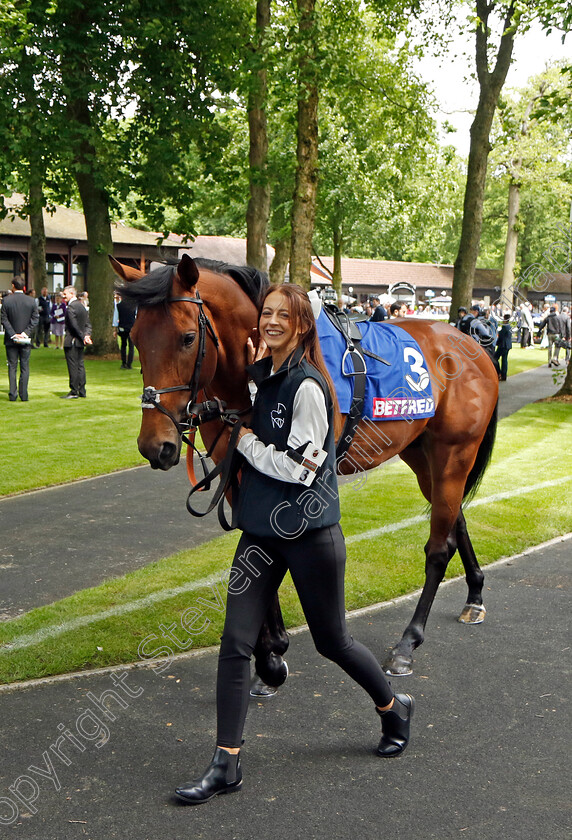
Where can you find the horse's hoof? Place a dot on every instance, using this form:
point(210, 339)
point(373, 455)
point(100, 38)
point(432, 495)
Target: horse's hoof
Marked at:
point(260, 690)
point(473, 614)
point(272, 670)
point(398, 664)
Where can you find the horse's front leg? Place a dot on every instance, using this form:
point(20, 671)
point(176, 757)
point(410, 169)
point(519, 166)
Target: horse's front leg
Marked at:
point(272, 643)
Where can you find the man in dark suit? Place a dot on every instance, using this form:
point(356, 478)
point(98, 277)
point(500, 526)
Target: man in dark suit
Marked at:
point(77, 335)
point(379, 311)
point(19, 319)
point(504, 345)
point(123, 324)
point(45, 309)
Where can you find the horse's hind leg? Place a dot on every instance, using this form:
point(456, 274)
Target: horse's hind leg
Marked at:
point(272, 643)
point(445, 494)
point(474, 610)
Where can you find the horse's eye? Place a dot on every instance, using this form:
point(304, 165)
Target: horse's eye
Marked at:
point(188, 339)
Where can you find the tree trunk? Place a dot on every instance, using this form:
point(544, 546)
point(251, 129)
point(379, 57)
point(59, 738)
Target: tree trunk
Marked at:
point(100, 277)
point(512, 233)
point(511, 245)
point(277, 271)
point(566, 390)
point(490, 88)
point(337, 272)
point(37, 264)
point(95, 203)
point(258, 210)
point(89, 175)
point(304, 205)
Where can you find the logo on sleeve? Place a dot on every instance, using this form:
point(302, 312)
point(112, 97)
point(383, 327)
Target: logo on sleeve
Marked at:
point(277, 415)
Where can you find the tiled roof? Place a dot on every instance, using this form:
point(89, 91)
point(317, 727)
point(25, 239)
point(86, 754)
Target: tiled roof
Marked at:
point(68, 224)
point(378, 274)
point(229, 249)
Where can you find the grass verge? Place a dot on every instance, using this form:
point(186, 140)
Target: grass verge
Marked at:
point(49, 441)
point(520, 360)
point(107, 624)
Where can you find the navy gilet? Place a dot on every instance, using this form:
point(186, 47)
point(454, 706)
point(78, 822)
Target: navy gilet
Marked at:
point(269, 507)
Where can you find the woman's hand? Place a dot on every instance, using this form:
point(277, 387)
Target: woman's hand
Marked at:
point(255, 353)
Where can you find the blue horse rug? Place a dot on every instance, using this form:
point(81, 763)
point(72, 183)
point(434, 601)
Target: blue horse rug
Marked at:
point(400, 391)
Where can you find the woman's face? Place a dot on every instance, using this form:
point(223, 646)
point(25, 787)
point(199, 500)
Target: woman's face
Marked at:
point(275, 325)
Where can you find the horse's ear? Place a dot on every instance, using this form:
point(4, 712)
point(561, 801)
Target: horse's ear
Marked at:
point(125, 271)
point(188, 272)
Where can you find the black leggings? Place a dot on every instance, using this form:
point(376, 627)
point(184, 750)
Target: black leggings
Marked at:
point(316, 561)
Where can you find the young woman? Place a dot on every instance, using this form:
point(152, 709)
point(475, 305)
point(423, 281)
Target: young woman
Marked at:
point(285, 529)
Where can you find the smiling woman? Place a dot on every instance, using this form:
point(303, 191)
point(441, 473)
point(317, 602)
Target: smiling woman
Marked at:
point(292, 425)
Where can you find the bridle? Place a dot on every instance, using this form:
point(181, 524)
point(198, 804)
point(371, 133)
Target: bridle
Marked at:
point(195, 412)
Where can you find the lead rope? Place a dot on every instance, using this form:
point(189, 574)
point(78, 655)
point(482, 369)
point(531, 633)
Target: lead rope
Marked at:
point(227, 469)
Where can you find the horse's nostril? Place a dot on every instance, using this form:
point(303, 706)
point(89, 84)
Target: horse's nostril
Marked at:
point(168, 454)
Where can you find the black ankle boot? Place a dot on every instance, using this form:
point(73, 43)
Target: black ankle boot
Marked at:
point(395, 723)
point(223, 775)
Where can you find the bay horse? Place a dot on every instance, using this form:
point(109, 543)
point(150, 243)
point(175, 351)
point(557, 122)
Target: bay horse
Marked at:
point(191, 331)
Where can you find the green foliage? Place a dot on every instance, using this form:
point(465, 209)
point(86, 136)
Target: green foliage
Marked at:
point(533, 151)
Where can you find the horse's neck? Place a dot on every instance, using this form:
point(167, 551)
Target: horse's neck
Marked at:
point(234, 318)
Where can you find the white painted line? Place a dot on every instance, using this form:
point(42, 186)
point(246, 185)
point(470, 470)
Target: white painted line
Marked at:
point(30, 639)
point(121, 609)
point(486, 500)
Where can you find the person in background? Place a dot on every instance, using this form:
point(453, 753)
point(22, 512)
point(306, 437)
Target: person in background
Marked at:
point(123, 320)
point(379, 311)
point(553, 326)
point(397, 310)
point(44, 323)
point(504, 345)
point(58, 317)
point(32, 293)
point(480, 328)
point(77, 335)
point(526, 326)
point(565, 333)
point(464, 320)
point(491, 320)
point(19, 319)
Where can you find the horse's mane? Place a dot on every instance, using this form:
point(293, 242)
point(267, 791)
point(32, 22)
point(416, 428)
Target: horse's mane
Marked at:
point(155, 288)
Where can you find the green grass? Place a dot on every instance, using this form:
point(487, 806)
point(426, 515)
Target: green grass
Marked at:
point(530, 449)
point(49, 440)
point(521, 360)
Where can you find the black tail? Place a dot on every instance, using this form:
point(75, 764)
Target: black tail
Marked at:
point(483, 457)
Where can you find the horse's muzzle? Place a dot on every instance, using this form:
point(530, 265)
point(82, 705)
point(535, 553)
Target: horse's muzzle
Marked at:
point(162, 456)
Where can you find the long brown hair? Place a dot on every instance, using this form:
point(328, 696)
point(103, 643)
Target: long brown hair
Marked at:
point(303, 319)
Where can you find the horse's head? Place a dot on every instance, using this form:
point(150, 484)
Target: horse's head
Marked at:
point(171, 342)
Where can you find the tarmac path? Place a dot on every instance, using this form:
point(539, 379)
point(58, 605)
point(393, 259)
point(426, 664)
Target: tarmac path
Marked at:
point(126, 520)
point(489, 757)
